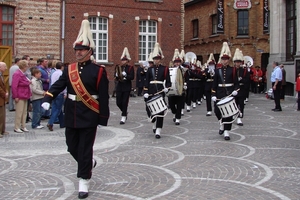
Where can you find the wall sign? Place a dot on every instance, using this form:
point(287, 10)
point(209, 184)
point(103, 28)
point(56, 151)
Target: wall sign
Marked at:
point(220, 15)
point(266, 16)
point(242, 4)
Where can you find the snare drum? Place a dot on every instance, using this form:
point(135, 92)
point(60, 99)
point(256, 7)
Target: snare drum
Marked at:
point(177, 82)
point(156, 105)
point(228, 107)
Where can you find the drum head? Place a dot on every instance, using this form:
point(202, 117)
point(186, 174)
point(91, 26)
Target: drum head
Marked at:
point(224, 101)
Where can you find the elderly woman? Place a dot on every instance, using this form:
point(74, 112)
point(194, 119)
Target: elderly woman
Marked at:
point(21, 93)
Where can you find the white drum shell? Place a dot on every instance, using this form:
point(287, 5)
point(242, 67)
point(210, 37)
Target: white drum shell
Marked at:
point(228, 107)
point(177, 82)
point(156, 105)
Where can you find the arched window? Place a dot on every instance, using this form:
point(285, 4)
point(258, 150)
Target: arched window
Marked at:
point(7, 26)
point(147, 38)
point(99, 29)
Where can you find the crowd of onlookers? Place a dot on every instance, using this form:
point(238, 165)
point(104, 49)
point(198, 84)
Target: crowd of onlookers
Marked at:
point(28, 86)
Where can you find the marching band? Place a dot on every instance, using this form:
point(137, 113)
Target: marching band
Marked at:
point(185, 82)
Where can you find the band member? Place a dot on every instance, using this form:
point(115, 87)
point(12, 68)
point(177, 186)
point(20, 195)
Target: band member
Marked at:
point(140, 77)
point(157, 80)
point(86, 105)
point(192, 77)
point(176, 102)
point(124, 74)
point(182, 55)
point(225, 84)
point(244, 82)
point(209, 78)
point(200, 83)
point(257, 79)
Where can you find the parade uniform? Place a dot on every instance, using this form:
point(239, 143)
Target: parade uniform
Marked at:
point(123, 88)
point(225, 82)
point(140, 80)
point(209, 78)
point(192, 78)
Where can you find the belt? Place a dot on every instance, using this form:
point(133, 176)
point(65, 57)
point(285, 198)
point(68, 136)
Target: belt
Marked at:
point(241, 83)
point(225, 85)
point(194, 79)
point(74, 97)
point(209, 80)
point(156, 82)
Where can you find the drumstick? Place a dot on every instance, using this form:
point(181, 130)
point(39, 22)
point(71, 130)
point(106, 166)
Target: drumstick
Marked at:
point(159, 92)
point(229, 95)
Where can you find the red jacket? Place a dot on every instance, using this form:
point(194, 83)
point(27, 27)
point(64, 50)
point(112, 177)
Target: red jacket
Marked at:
point(298, 84)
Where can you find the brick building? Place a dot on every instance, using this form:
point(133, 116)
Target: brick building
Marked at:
point(31, 27)
point(136, 25)
point(209, 23)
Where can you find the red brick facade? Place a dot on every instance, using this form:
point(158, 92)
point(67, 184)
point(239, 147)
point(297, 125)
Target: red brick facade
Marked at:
point(124, 26)
point(255, 45)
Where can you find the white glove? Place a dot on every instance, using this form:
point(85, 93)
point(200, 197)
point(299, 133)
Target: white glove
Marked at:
point(124, 73)
point(185, 87)
point(166, 90)
point(240, 78)
point(260, 78)
point(234, 93)
point(248, 69)
point(46, 105)
point(116, 74)
point(214, 98)
point(146, 95)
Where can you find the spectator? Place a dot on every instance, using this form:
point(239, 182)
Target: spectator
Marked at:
point(58, 102)
point(140, 77)
point(36, 98)
point(298, 90)
point(28, 75)
point(12, 69)
point(21, 94)
point(3, 97)
point(276, 78)
point(283, 83)
point(43, 67)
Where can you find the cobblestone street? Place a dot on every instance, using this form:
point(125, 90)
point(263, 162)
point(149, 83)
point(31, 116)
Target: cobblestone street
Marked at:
point(190, 161)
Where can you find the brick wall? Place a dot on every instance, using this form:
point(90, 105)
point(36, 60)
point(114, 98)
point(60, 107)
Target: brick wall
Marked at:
point(208, 43)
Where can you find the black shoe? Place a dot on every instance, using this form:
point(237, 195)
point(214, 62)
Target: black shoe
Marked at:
point(277, 110)
point(121, 122)
point(188, 111)
point(221, 132)
point(157, 136)
point(226, 138)
point(83, 195)
point(177, 123)
point(12, 110)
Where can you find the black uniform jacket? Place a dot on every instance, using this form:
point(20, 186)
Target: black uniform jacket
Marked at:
point(157, 73)
point(244, 81)
point(209, 80)
point(125, 85)
point(193, 78)
point(77, 114)
point(226, 76)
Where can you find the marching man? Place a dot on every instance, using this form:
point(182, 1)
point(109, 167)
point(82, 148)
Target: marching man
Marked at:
point(225, 84)
point(209, 78)
point(157, 80)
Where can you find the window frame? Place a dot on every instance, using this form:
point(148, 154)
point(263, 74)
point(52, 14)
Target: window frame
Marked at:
point(100, 36)
point(291, 30)
point(147, 38)
point(10, 30)
point(195, 28)
point(214, 24)
point(243, 23)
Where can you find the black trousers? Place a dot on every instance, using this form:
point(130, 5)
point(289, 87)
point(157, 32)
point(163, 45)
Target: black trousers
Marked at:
point(208, 100)
point(239, 100)
point(176, 103)
point(219, 116)
point(192, 95)
point(80, 142)
point(122, 101)
point(276, 93)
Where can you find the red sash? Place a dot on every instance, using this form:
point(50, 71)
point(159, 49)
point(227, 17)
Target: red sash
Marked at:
point(80, 90)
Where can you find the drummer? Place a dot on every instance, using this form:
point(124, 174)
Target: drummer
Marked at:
point(225, 84)
point(176, 102)
point(209, 78)
point(244, 82)
point(157, 80)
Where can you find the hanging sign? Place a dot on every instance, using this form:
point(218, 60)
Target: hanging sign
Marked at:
point(220, 16)
point(242, 4)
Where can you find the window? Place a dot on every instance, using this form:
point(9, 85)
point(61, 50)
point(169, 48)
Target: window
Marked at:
point(99, 29)
point(291, 29)
point(7, 26)
point(214, 23)
point(195, 28)
point(147, 38)
point(243, 22)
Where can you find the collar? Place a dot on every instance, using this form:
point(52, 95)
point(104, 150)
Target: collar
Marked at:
point(82, 64)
